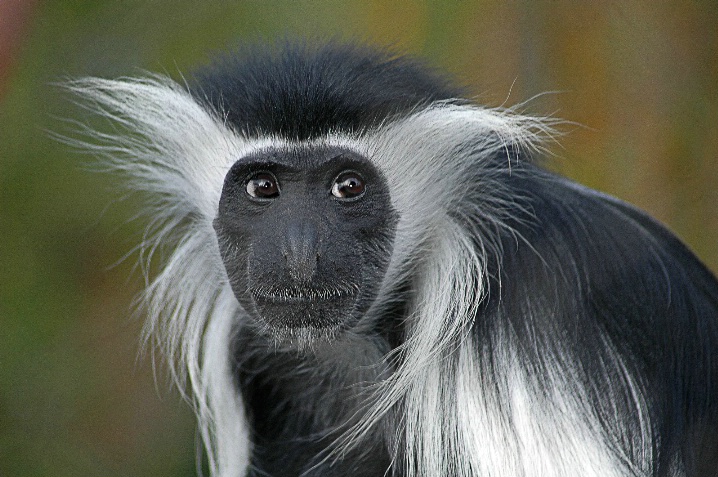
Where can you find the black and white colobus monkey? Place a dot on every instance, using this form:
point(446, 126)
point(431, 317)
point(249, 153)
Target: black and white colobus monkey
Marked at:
point(371, 278)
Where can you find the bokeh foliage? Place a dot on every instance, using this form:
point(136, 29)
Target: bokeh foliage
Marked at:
point(641, 78)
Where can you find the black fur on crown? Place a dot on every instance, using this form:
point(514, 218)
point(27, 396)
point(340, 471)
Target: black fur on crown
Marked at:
point(301, 92)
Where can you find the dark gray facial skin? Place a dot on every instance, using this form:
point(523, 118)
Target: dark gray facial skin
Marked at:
point(306, 236)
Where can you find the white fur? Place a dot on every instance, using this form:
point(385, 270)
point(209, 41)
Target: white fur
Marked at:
point(167, 145)
point(454, 417)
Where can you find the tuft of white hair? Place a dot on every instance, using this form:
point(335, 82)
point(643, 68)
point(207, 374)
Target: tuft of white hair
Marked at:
point(452, 415)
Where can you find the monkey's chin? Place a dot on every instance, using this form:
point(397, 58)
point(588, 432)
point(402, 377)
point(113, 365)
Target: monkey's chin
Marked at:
point(303, 325)
point(302, 338)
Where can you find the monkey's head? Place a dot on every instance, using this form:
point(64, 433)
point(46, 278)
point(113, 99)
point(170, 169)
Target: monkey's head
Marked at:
point(325, 175)
point(305, 220)
point(305, 234)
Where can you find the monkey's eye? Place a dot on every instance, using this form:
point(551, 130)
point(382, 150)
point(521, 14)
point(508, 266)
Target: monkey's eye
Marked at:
point(348, 185)
point(263, 185)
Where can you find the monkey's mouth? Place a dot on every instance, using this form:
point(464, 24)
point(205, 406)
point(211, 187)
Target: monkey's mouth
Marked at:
point(304, 307)
point(303, 294)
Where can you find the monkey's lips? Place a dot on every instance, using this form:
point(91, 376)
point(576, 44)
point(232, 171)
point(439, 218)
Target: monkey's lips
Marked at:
point(308, 307)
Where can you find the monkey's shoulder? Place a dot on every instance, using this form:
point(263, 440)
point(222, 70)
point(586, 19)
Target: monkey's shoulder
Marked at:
point(605, 255)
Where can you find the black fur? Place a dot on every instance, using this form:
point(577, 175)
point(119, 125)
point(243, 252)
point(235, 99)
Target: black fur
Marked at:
point(302, 92)
point(589, 274)
point(299, 404)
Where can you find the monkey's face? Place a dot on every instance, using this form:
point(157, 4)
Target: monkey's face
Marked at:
point(306, 236)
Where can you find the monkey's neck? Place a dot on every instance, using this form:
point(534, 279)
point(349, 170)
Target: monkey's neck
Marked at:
point(299, 403)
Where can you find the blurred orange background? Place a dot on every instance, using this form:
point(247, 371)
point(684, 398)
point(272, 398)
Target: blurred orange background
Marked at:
point(640, 77)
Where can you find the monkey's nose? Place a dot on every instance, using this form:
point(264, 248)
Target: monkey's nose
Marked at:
point(301, 251)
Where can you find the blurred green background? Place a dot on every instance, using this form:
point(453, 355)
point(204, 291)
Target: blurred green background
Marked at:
point(75, 399)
